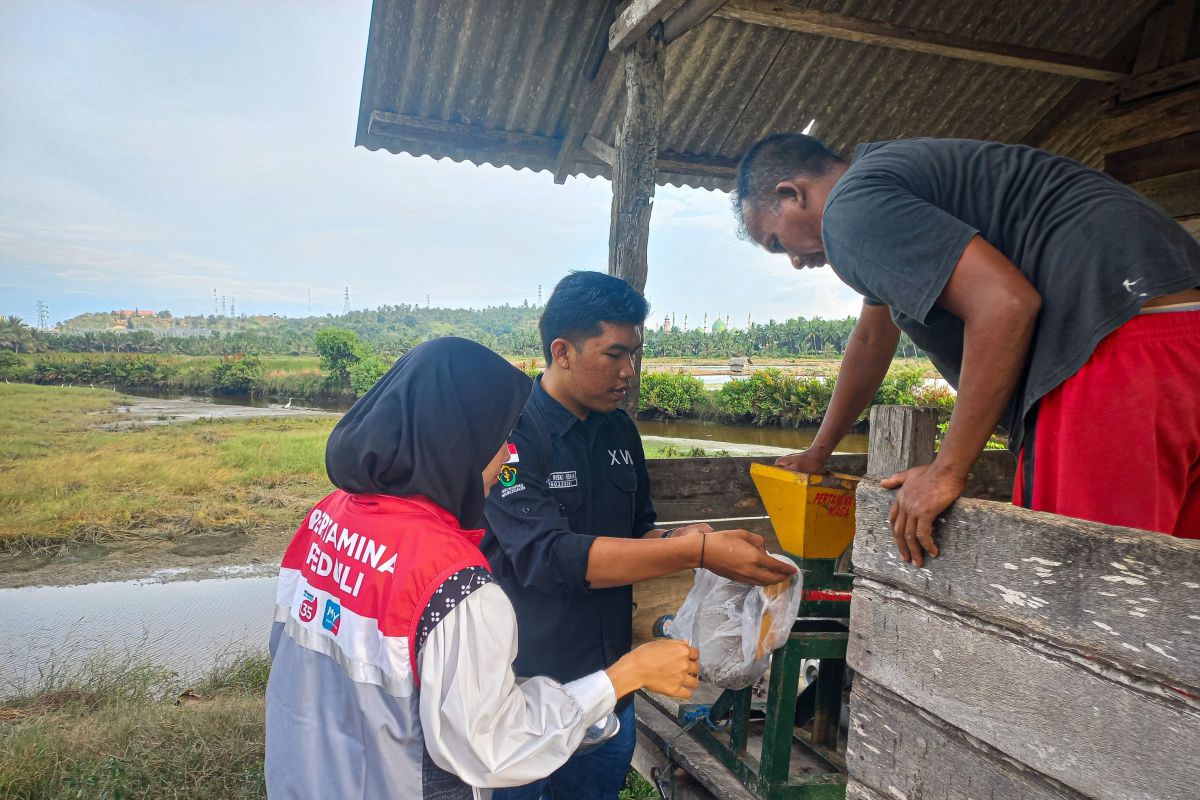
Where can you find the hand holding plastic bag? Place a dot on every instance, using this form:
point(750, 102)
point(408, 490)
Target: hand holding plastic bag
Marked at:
point(736, 626)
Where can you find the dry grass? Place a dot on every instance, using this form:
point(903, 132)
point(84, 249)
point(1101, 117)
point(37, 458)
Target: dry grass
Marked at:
point(63, 481)
point(110, 729)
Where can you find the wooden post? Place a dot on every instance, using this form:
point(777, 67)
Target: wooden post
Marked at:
point(901, 437)
point(633, 172)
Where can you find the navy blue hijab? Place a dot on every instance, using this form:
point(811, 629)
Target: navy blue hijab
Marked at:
point(429, 427)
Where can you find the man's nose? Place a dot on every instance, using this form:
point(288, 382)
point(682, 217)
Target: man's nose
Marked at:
point(628, 368)
point(797, 262)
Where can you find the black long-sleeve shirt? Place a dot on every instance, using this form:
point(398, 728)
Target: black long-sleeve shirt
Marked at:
point(574, 480)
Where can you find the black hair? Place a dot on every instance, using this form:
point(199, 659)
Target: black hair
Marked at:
point(583, 300)
point(776, 158)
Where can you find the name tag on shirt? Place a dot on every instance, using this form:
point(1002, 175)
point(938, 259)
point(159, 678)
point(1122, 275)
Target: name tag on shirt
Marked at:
point(562, 480)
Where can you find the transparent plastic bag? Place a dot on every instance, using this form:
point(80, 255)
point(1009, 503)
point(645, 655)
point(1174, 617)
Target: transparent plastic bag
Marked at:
point(736, 626)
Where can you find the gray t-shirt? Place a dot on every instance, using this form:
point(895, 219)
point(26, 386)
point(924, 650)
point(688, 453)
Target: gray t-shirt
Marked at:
point(898, 220)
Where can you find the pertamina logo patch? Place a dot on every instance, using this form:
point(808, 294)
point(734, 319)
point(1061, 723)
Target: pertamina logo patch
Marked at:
point(308, 607)
point(333, 617)
point(508, 475)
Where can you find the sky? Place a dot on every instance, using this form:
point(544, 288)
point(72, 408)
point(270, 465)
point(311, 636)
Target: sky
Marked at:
point(151, 153)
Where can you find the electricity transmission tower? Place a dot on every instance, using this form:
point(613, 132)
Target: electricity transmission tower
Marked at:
point(43, 313)
point(346, 303)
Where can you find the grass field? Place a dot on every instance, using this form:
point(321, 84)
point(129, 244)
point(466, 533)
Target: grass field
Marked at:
point(110, 730)
point(66, 480)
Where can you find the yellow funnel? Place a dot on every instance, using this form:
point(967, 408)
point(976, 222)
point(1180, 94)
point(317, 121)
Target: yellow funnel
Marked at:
point(813, 515)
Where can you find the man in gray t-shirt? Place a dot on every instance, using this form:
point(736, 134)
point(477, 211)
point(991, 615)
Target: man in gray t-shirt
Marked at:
point(1006, 264)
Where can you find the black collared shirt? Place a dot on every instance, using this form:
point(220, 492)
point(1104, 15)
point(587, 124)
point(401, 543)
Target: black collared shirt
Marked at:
point(575, 480)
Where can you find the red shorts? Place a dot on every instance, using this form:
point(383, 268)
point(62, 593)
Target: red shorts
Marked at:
point(1119, 441)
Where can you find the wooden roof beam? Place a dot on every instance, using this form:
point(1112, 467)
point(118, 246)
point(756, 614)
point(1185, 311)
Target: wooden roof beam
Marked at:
point(685, 164)
point(636, 18)
point(598, 72)
point(884, 34)
point(457, 134)
point(689, 16)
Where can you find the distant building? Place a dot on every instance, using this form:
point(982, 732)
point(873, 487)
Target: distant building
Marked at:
point(126, 313)
point(739, 365)
point(667, 324)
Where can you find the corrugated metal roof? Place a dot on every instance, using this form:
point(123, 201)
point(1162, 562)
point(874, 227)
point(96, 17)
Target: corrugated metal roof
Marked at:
point(495, 81)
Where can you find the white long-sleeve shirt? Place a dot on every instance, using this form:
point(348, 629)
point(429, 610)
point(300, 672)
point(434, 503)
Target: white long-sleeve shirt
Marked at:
point(479, 722)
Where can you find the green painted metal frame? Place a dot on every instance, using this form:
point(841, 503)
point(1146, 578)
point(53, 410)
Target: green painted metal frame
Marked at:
point(820, 632)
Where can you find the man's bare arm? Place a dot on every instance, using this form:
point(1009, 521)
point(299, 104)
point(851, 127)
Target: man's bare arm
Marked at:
point(999, 308)
point(736, 554)
point(868, 354)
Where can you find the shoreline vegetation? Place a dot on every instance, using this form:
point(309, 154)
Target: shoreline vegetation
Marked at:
point(333, 360)
point(779, 394)
point(121, 727)
point(84, 480)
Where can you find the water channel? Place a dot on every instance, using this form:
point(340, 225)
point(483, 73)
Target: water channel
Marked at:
point(187, 624)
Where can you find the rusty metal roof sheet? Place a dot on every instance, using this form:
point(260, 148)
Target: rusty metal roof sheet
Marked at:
point(495, 81)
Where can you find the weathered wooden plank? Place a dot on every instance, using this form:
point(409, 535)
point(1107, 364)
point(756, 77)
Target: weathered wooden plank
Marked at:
point(1097, 730)
point(901, 437)
point(657, 733)
point(1164, 36)
point(902, 751)
point(599, 71)
point(1155, 160)
point(656, 598)
point(633, 175)
point(1129, 596)
point(688, 16)
point(723, 484)
point(1085, 97)
point(678, 163)
point(884, 34)
point(635, 18)
point(1152, 120)
point(1192, 225)
point(633, 172)
point(859, 791)
point(600, 149)
point(1178, 194)
point(1160, 81)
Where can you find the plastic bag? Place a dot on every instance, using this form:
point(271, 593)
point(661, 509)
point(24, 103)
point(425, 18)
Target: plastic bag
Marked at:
point(736, 626)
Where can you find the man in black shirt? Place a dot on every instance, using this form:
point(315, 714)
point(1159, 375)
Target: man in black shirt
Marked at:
point(572, 525)
point(1047, 293)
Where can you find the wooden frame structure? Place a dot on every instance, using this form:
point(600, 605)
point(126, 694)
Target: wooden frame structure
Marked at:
point(648, 92)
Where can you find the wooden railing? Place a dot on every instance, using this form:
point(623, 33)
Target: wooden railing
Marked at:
point(1037, 657)
point(719, 491)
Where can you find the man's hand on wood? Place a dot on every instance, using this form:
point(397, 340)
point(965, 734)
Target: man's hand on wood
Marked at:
point(807, 461)
point(924, 493)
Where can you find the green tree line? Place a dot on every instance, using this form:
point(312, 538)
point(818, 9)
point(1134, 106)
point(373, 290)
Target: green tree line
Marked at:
point(390, 331)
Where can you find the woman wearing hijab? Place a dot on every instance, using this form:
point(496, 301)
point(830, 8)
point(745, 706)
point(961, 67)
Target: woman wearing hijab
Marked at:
point(392, 646)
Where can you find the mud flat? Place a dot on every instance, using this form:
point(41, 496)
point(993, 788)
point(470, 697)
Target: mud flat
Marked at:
point(160, 411)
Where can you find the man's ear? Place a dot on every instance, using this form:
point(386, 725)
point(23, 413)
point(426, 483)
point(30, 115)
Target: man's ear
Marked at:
point(560, 352)
point(792, 189)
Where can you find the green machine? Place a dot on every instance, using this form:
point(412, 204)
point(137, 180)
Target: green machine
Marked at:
point(798, 730)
